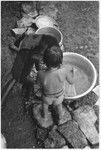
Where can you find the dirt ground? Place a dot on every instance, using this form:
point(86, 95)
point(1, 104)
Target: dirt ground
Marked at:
point(79, 24)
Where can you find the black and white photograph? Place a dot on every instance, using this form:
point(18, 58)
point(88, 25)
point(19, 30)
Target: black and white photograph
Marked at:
point(50, 88)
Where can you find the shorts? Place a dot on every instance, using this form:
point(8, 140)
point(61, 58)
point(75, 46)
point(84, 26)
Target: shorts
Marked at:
point(53, 100)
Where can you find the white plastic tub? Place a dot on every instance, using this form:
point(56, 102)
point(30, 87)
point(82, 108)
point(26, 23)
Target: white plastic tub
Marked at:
point(84, 64)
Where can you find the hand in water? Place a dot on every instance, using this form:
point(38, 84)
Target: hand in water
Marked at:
point(73, 71)
point(71, 88)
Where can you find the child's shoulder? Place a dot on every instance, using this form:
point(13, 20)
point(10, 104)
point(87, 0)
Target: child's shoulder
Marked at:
point(65, 70)
point(62, 68)
point(67, 67)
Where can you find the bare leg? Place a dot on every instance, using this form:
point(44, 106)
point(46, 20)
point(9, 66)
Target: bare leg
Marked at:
point(60, 111)
point(45, 110)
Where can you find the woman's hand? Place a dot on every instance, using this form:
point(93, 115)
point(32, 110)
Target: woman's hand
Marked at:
point(13, 47)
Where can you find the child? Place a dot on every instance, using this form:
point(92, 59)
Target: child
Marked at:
point(52, 80)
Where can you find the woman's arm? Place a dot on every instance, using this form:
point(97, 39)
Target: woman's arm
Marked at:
point(13, 47)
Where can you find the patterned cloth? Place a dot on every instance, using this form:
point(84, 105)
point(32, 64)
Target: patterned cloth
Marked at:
point(23, 61)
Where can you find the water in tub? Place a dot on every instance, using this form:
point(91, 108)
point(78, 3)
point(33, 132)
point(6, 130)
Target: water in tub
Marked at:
point(81, 81)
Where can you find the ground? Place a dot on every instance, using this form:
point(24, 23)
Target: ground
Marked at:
point(79, 24)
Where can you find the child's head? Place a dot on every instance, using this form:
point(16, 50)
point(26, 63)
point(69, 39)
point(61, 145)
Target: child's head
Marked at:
point(53, 56)
point(46, 42)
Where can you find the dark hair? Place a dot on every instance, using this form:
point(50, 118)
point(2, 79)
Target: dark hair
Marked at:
point(46, 42)
point(53, 56)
